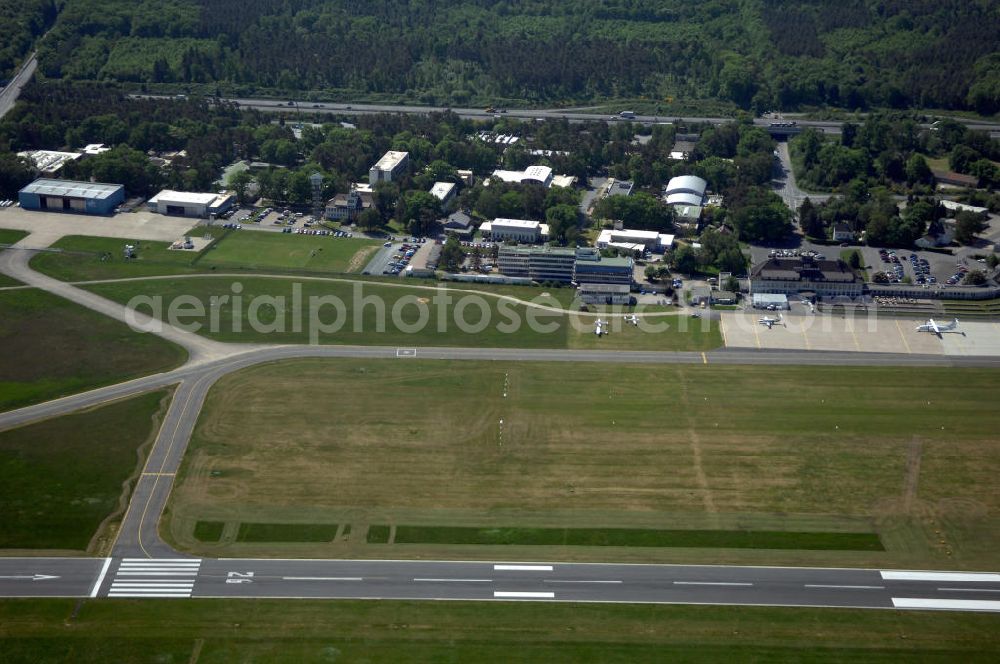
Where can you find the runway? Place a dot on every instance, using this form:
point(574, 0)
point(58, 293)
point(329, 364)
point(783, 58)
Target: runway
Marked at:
point(143, 565)
point(234, 578)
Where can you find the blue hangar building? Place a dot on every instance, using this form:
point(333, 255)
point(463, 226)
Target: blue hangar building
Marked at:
point(70, 196)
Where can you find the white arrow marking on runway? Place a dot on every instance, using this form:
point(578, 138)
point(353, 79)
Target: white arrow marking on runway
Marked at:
point(322, 578)
point(33, 577)
point(710, 583)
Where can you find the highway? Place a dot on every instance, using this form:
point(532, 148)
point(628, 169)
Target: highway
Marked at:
point(143, 565)
point(10, 93)
point(573, 115)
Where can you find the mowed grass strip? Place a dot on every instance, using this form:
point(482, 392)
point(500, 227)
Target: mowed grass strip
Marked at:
point(61, 478)
point(286, 532)
point(209, 531)
point(261, 630)
point(252, 250)
point(268, 310)
point(50, 347)
point(730, 539)
point(378, 534)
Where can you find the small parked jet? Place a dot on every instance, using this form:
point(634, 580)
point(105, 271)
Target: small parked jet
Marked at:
point(938, 328)
point(600, 327)
point(767, 320)
point(632, 319)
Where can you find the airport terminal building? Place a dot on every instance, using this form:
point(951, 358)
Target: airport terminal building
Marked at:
point(805, 276)
point(71, 196)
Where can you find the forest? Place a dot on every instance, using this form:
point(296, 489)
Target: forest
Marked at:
point(752, 54)
point(21, 23)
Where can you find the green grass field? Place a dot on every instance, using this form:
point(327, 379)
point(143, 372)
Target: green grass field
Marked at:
point(286, 532)
point(221, 631)
point(418, 318)
point(804, 451)
point(60, 479)
point(50, 347)
point(9, 237)
point(86, 258)
point(274, 251)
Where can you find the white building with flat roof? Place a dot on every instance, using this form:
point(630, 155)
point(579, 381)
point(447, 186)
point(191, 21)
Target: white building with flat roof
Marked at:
point(190, 204)
point(635, 240)
point(390, 167)
point(443, 191)
point(518, 230)
point(531, 175)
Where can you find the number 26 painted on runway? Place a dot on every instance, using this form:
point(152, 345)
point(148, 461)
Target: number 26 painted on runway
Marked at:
point(239, 577)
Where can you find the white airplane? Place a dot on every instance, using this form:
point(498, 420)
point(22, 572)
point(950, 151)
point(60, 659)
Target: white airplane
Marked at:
point(632, 319)
point(767, 320)
point(600, 328)
point(938, 328)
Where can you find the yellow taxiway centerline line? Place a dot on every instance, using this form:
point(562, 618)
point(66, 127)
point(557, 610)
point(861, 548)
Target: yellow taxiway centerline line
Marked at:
point(901, 336)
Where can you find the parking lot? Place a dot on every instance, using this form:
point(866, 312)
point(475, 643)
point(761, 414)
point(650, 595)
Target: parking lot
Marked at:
point(394, 256)
point(799, 330)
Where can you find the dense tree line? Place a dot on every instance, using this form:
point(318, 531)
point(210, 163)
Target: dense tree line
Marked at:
point(22, 22)
point(760, 55)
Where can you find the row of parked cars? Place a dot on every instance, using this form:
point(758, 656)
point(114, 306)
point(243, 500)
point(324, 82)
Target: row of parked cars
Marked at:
point(401, 260)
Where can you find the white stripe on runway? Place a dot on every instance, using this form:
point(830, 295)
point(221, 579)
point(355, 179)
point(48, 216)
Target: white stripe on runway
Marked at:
point(941, 576)
point(970, 590)
point(141, 594)
point(820, 585)
point(100, 577)
point(946, 604)
point(523, 568)
point(192, 572)
point(152, 584)
point(576, 581)
point(710, 583)
point(455, 580)
point(189, 561)
point(525, 595)
point(322, 578)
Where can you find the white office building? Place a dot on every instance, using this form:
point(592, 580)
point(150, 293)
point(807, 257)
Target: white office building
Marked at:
point(517, 230)
point(635, 240)
point(390, 167)
point(190, 204)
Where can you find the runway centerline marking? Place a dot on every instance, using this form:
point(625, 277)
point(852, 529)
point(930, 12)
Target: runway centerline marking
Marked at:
point(970, 590)
point(453, 580)
point(578, 581)
point(711, 583)
point(322, 578)
point(821, 585)
point(522, 568)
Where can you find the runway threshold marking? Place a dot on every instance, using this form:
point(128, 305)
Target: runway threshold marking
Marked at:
point(523, 568)
point(523, 595)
